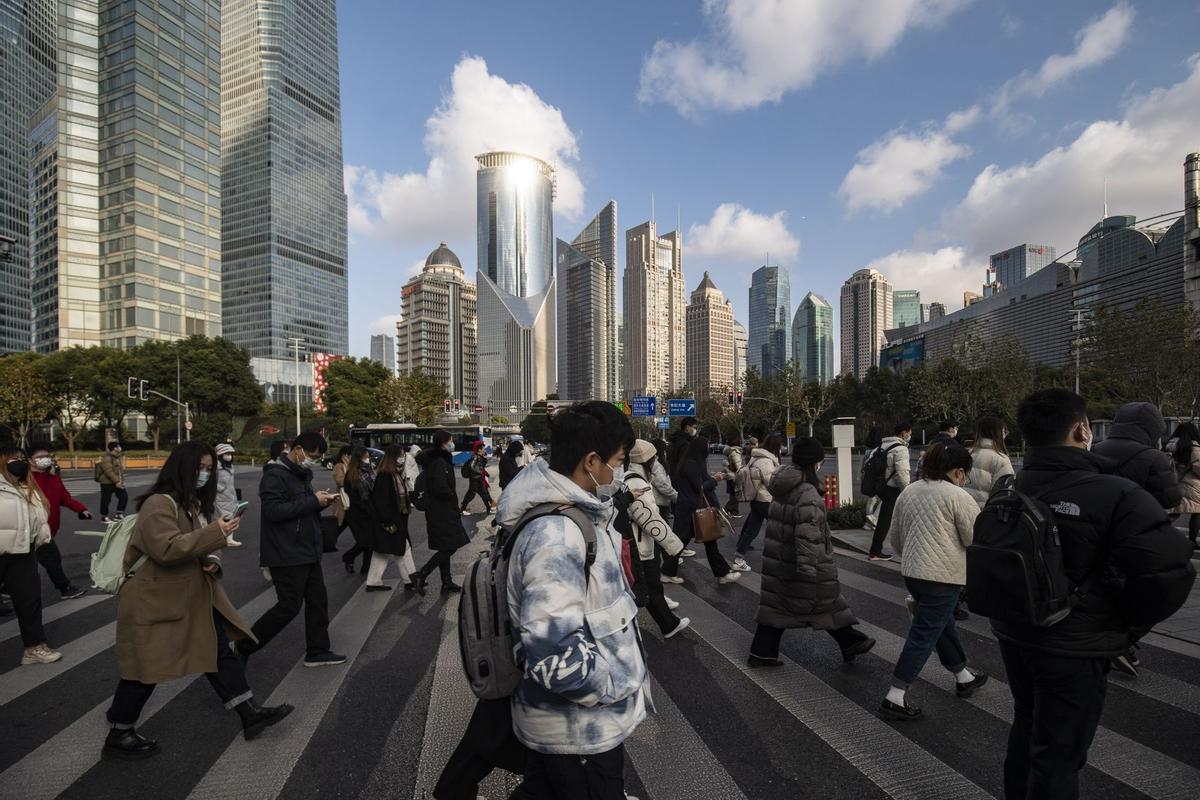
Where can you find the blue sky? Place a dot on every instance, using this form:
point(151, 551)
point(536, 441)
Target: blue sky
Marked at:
point(917, 136)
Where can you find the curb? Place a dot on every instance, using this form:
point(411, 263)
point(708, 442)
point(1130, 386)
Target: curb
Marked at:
point(847, 542)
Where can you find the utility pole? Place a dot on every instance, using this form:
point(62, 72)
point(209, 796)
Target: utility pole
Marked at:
point(178, 393)
point(1078, 312)
point(296, 342)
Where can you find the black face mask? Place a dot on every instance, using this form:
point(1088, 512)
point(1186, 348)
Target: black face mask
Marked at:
point(18, 469)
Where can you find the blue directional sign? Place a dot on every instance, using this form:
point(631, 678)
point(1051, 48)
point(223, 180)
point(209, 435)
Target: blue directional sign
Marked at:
point(664, 422)
point(644, 406)
point(685, 407)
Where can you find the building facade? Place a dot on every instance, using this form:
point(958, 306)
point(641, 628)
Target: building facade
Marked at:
point(437, 328)
point(770, 315)
point(383, 350)
point(812, 339)
point(907, 308)
point(1010, 267)
point(1191, 229)
point(515, 281)
point(586, 276)
point(655, 311)
point(866, 314)
point(710, 341)
point(741, 347)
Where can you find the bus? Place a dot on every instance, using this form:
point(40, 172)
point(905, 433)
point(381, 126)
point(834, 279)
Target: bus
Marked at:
point(380, 435)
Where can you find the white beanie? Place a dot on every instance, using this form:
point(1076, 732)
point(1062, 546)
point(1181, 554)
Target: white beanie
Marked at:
point(224, 448)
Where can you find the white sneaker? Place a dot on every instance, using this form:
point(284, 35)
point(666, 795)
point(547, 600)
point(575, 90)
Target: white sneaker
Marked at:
point(672, 579)
point(740, 565)
point(683, 623)
point(730, 577)
point(687, 552)
point(671, 604)
point(42, 654)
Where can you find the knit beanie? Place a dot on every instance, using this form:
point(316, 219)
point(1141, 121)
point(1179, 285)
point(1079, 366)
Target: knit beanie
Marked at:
point(807, 451)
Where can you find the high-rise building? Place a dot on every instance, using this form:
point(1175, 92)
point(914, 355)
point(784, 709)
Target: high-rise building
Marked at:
point(770, 317)
point(936, 310)
point(1010, 267)
point(1191, 229)
point(710, 341)
point(866, 314)
point(741, 344)
point(437, 328)
point(907, 308)
point(383, 350)
point(586, 305)
point(812, 339)
point(284, 222)
point(515, 280)
point(971, 297)
point(655, 312)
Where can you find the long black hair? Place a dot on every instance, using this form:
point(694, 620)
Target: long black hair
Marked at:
point(1187, 437)
point(177, 478)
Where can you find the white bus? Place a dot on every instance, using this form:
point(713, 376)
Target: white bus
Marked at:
point(381, 435)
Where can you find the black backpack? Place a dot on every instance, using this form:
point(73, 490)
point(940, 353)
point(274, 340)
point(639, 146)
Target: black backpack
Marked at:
point(419, 496)
point(873, 476)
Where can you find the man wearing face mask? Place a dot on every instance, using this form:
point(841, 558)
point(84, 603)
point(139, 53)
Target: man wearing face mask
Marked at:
point(290, 547)
point(111, 475)
point(227, 495)
point(57, 497)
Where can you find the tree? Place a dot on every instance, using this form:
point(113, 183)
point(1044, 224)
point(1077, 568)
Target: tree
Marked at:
point(69, 373)
point(813, 400)
point(352, 390)
point(26, 398)
point(536, 425)
point(414, 397)
point(108, 397)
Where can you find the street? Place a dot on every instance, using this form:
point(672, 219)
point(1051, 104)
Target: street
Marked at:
point(383, 725)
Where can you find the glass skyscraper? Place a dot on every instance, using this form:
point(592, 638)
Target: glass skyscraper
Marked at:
point(906, 308)
point(597, 242)
point(812, 339)
point(515, 280)
point(1015, 264)
point(770, 314)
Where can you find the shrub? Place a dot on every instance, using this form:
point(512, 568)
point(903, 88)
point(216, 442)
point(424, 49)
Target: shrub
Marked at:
point(851, 515)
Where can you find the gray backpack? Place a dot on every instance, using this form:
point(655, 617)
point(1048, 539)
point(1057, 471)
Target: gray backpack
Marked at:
point(485, 634)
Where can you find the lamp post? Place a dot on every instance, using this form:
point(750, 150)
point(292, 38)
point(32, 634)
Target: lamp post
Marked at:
point(296, 342)
point(1078, 312)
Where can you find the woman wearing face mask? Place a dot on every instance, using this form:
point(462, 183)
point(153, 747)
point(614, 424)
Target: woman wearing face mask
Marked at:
point(360, 516)
point(227, 498)
point(57, 498)
point(989, 459)
point(23, 529)
point(932, 525)
point(391, 507)
point(697, 489)
point(173, 618)
point(443, 518)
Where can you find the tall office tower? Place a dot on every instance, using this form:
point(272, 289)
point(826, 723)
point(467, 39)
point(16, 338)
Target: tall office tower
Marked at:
point(515, 279)
point(655, 312)
point(383, 350)
point(620, 356)
point(587, 311)
point(936, 310)
point(770, 316)
point(1010, 267)
point(741, 344)
point(710, 342)
point(812, 339)
point(866, 314)
point(284, 222)
point(906, 308)
point(437, 328)
point(1191, 229)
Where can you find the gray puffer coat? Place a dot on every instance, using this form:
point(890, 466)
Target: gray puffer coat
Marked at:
point(800, 586)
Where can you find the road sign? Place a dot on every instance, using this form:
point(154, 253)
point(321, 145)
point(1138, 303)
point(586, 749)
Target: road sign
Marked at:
point(644, 406)
point(685, 407)
point(478, 409)
point(791, 429)
point(664, 422)
point(188, 425)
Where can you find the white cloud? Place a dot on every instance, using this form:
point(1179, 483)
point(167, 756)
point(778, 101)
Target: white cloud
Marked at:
point(759, 50)
point(942, 275)
point(481, 112)
point(385, 325)
point(737, 234)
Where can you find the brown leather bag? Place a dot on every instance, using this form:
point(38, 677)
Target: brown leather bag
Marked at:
point(706, 523)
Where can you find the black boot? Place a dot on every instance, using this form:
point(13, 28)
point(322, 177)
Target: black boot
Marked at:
point(256, 718)
point(128, 744)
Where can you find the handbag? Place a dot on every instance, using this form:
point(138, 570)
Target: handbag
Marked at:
point(706, 523)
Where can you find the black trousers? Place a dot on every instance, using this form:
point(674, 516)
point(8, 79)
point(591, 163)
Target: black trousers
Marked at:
point(440, 561)
point(716, 561)
point(887, 504)
point(355, 551)
point(651, 590)
point(556, 777)
point(19, 576)
point(295, 586)
point(477, 488)
point(50, 557)
point(107, 490)
point(766, 639)
point(229, 682)
point(487, 744)
point(1057, 702)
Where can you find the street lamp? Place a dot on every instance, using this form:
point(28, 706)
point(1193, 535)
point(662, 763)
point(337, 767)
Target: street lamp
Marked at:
point(295, 343)
point(1078, 312)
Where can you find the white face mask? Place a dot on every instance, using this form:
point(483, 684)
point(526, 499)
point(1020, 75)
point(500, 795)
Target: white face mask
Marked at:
point(43, 463)
point(449, 447)
point(227, 459)
point(202, 479)
point(608, 490)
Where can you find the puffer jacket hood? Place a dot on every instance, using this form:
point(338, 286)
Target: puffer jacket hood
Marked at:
point(1131, 451)
point(537, 484)
point(1142, 422)
point(786, 484)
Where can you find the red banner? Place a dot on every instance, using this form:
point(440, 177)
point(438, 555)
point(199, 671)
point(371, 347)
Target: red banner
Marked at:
point(320, 361)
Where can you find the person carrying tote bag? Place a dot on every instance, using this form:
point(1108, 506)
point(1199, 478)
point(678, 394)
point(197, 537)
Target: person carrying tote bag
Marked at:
point(696, 489)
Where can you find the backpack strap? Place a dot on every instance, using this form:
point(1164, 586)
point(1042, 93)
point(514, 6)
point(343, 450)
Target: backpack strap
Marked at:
point(571, 512)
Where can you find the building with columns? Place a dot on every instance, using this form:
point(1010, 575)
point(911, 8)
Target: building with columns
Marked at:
point(710, 341)
point(437, 328)
point(655, 321)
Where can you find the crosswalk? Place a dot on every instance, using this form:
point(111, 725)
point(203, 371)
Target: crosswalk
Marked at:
point(383, 725)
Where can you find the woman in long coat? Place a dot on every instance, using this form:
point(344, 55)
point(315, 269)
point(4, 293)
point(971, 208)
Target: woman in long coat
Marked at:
point(443, 519)
point(389, 535)
point(800, 586)
point(697, 489)
point(173, 617)
point(360, 515)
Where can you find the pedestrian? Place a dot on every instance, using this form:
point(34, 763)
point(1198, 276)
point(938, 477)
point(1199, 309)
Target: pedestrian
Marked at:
point(358, 481)
point(24, 528)
point(1184, 449)
point(873, 440)
point(339, 482)
point(111, 471)
point(389, 501)
point(947, 432)
point(932, 526)
point(989, 459)
point(697, 489)
point(290, 548)
point(227, 493)
point(800, 587)
point(584, 686)
point(899, 473)
point(677, 445)
point(443, 518)
point(475, 470)
point(277, 449)
point(173, 617)
point(733, 462)
point(1132, 447)
point(57, 498)
point(510, 463)
point(1058, 674)
point(654, 537)
point(762, 465)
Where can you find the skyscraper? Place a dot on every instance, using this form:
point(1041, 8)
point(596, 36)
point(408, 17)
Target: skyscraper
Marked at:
point(812, 339)
point(284, 226)
point(741, 343)
point(383, 350)
point(1191, 229)
point(437, 328)
point(770, 316)
point(937, 310)
point(586, 305)
point(655, 312)
point(515, 279)
point(866, 314)
point(1015, 264)
point(906, 308)
point(710, 341)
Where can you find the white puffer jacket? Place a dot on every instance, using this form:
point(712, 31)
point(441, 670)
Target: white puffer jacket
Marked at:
point(899, 462)
point(24, 526)
point(664, 493)
point(987, 467)
point(649, 526)
point(932, 525)
point(762, 466)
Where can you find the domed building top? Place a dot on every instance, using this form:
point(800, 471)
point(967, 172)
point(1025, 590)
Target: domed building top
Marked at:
point(443, 256)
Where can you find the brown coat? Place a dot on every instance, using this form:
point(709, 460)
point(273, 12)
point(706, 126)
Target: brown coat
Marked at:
point(339, 480)
point(165, 611)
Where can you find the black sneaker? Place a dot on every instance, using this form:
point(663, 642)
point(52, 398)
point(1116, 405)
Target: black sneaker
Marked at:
point(890, 710)
point(451, 588)
point(969, 688)
point(383, 587)
point(961, 613)
point(326, 659)
point(880, 557)
point(759, 661)
point(1124, 664)
point(72, 591)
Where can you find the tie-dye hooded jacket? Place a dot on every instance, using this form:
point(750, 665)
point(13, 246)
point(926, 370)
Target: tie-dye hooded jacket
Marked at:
point(585, 687)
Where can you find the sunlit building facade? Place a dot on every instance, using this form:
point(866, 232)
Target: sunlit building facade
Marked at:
point(770, 317)
point(866, 314)
point(710, 341)
point(437, 328)
point(655, 321)
point(812, 339)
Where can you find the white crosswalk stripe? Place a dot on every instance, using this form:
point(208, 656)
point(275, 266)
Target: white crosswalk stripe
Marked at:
point(55, 612)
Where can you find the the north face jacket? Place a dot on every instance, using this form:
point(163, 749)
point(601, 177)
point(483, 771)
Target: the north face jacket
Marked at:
point(1132, 450)
point(586, 686)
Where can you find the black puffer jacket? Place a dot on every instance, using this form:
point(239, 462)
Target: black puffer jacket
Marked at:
point(1110, 523)
point(291, 516)
point(1132, 449)
point(443, 515)
point(800, 586)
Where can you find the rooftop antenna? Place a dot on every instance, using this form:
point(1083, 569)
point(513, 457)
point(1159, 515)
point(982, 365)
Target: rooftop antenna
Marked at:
point(652, 208)
point(679, 219)
point(1106, 198)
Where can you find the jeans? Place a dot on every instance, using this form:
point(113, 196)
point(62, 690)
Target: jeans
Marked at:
point(107, 490)
point(932, 628)
point(752, 526)
point(650, 587)
point(477, 488)
point(295, 586)
point(50, 557)
point(1057, 701)
point(556, 777)
point(887, 504)
point(19, 576)
point(229, 682)
point(766, 639)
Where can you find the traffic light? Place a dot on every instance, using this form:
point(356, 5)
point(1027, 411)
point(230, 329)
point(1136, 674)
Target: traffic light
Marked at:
point(131, 388)
point(730, 403)
point(457, 405)
point(740, 397)
point(446, 405)
point(142, 393)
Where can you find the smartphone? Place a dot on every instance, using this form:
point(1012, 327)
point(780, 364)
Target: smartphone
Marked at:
point(241, 509)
